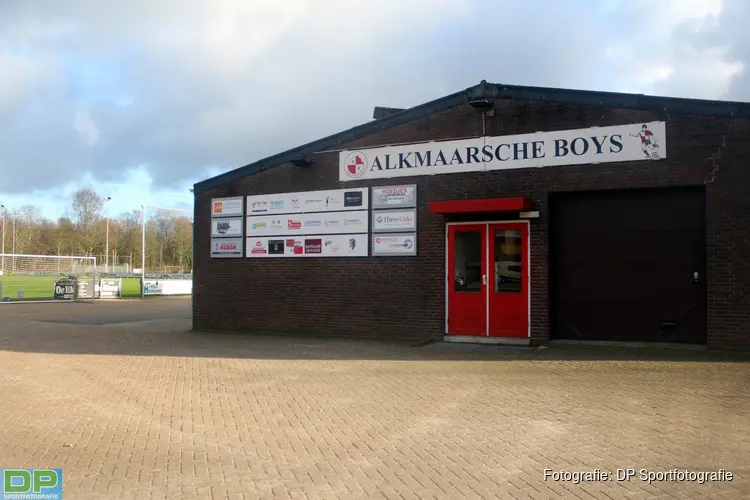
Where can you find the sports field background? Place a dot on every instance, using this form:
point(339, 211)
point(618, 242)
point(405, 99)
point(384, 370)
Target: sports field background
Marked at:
point(42, 287)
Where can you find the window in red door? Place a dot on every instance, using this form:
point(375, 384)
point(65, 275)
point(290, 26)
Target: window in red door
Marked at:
point(508, 302)
point(467, 280)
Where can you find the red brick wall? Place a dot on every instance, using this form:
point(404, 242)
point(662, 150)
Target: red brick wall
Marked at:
point(404, 296)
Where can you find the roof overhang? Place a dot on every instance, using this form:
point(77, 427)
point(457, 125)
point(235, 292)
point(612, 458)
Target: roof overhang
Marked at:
point(517, 204)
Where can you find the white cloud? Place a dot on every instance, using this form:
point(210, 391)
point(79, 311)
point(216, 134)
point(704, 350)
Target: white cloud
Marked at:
point(192, 88)
point(86, 128)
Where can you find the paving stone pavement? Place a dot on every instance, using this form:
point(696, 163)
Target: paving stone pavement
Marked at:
point(143, 408)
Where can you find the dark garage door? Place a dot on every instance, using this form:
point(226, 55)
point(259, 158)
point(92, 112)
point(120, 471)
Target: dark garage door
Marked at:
point(622, 265)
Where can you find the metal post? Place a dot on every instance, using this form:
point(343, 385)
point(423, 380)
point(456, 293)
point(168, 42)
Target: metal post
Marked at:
point(106, 239)
point(106, 249)
point(143, 248)
point(2, 266)
point(14, 244)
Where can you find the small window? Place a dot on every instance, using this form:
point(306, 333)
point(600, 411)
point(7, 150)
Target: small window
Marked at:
point(467, 267)
point(508, 253)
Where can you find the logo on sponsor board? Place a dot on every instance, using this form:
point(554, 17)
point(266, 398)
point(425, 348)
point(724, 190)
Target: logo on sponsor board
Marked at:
point(276, 247)
point(223, 227)
point(356, 164)
point(276, 223)
point(314, 246)
point(295, 246)
point(218, 207)
point(294, 224)
point(393, 195)
point(295, 202)
point(259, 225)
point(276, 205)
point(352, 243)
point(313, 223)
point(259, 248)
point(395, 220)
point(352, 222)
point(259, 206)
point(393, 242)
point(225, 247)
point(353, 199)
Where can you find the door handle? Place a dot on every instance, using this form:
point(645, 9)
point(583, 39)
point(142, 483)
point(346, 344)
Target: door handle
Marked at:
point(484, 279)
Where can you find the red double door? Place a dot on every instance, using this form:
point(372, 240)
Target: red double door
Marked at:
point(488, 280)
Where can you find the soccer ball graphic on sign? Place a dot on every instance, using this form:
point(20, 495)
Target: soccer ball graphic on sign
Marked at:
point(355, 165)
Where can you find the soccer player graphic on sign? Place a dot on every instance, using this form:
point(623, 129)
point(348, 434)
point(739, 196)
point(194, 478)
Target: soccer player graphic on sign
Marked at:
point(648, 142)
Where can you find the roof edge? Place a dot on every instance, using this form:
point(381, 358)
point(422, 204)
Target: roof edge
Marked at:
point(371, 127)
point(486, 90)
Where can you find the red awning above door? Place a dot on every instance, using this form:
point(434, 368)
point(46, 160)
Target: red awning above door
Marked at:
point(518, 204)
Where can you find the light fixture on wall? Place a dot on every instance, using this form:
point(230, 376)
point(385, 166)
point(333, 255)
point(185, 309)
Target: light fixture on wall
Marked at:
point(485, 105)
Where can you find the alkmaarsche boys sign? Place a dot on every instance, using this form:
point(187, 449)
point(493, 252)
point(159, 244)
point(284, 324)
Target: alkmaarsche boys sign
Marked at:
point(638, 141)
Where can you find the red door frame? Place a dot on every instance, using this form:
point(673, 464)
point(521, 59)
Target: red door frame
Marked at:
point(520, 304)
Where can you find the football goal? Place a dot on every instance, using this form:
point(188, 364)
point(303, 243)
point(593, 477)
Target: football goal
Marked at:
point(25, 278)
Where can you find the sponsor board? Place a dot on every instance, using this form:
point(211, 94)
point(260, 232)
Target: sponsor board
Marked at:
point(330, 245)
point(227, 227)
point(226, 207)
point(308, 224)
point(394, 244)
point(394, 196)
point(84, 291)
point(226, 247)
point(620, 143)
point(394, 220)
point(110, 289)
point(65, 290)
point(167, 287)
point(336, 200)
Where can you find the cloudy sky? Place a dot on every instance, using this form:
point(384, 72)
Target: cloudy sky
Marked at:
point(141, 99)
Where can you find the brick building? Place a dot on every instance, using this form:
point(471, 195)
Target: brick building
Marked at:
point(540, 213)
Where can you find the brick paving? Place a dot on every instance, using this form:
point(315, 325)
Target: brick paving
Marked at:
point(132, 405)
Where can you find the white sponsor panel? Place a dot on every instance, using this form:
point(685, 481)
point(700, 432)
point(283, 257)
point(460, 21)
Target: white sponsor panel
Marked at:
point(110, 288)
point(310, 201)
point(620, 143)
point(330, 245)
point(226, 247)
point(394, 220)
point(226, 227)
point(316, 223)
point(394, 196)
point(226, 207)
point(394, 244)
point(168, 287)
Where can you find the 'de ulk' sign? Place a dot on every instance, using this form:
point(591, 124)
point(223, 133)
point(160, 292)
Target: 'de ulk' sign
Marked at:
point(633, 142)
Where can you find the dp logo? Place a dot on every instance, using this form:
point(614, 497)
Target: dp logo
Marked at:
point(18, 483)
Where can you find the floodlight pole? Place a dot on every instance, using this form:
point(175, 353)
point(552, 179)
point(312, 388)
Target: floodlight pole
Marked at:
point(2, 266)
point(106, 240)
point(143, 248)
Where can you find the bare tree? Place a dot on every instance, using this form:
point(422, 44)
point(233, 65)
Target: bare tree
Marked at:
point(169, 239)
point(86, 213)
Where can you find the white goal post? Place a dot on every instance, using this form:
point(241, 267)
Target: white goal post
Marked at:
point(41, 278)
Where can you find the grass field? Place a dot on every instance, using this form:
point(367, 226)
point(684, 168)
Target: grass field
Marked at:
point(42, 287)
